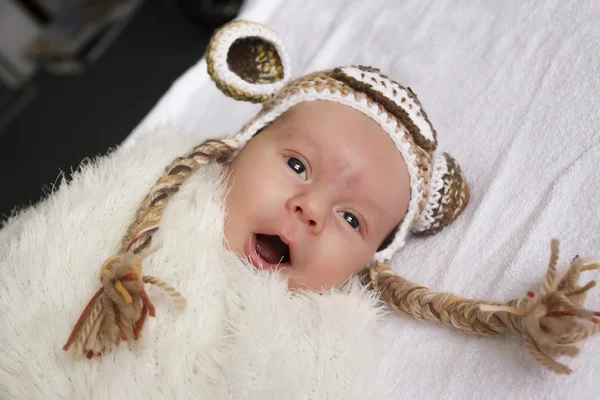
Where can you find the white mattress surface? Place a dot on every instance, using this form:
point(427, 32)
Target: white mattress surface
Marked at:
point(513, 89)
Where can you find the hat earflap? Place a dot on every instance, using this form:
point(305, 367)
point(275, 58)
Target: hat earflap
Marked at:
point(247, 61)
point(448, 194)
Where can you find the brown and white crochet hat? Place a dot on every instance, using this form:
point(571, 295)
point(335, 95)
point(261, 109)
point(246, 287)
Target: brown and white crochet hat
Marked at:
point(248, 62)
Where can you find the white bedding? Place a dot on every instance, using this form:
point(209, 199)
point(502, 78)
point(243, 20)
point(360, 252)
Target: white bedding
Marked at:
point(513, 89)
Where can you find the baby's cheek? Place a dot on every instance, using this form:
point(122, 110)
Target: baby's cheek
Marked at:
point(345, 263)
point(357, 259)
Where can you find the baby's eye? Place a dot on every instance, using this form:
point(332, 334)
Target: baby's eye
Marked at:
point(297, 166)
point(351, 219)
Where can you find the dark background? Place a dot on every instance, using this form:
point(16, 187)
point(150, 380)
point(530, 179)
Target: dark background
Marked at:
point(75, 117)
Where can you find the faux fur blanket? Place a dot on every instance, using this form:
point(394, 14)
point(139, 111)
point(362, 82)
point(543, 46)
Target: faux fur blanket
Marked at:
point(243, 335)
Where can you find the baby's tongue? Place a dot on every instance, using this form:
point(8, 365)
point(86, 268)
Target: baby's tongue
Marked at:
point(270, 248)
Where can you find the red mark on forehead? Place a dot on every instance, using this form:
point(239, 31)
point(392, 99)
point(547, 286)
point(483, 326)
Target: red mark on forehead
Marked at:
point(353, 181)
point(341, 169)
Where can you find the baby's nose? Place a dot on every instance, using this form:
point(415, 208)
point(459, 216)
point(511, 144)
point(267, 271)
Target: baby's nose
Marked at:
point(309, 216)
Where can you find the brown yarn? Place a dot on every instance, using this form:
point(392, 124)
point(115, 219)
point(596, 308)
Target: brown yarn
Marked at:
point(552, 322)
point(255, 60)
point(119, 309)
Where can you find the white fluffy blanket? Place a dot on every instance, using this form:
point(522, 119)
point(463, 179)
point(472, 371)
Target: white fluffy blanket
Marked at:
point(241, 336)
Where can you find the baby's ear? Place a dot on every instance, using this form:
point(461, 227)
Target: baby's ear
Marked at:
point(448, 194)
point(247, 61)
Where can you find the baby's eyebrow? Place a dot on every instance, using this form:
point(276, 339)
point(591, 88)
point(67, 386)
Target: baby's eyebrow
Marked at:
point(289, 133)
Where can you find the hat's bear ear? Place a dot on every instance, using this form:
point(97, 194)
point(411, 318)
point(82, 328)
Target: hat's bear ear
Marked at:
point(247, 61)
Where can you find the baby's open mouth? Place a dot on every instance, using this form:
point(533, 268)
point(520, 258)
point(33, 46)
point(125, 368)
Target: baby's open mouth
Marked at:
point(272, 249)
point(268, 252)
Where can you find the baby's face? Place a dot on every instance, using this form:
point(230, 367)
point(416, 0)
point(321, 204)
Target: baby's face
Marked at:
point(314, 195)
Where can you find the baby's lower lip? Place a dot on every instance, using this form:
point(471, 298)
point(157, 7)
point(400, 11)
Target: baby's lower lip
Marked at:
point(258, 261)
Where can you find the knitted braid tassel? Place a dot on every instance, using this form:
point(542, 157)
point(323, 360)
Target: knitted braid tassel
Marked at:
point(552, 322)
point(118, 310)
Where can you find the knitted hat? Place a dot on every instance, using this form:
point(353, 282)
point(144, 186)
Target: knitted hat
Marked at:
point(248, 62)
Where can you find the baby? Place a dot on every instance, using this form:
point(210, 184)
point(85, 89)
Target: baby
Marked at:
point(326, 183)
point(316, 194)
